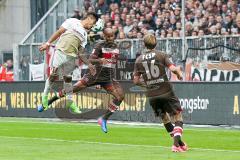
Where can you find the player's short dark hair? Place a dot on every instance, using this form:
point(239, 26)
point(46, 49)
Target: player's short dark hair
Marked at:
point(92, 15)
point(150, 41)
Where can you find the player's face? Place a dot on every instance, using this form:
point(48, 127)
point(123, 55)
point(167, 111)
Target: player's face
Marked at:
point(90, 23)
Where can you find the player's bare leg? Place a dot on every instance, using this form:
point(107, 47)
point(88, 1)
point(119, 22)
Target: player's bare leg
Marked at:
point(116, 90)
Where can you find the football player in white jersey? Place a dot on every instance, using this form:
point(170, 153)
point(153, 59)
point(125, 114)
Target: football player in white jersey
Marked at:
point(70, 46)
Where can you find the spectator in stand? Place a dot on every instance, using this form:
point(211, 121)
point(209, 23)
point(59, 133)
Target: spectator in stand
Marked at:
point(213, 30)
point(154, 12)
point(224, 10)
point(228, 23)
point(128, 27)
point(76, 14)
point(135, 23)
point(139, 35)
point(149, 21)
point(108, 25)
point(158, 25)
point(113, 1)
point(101, 6)
point(121, 35)
point(178, 26)
point(163, 34)
point(6, 71)
point(200, 33)
point(107, 18)
point(87, 4)
point(115, 29)
point(173, 23)
point(224, 32)
point(169, 35)
point(90, 9)
point(219, 19)
point(203, 17)
point(176, 34)
point(177, 12)
point(189, 29)
point(123, 18)
point(135, 31)
point(218, 27)
point(211, 21)
point(117, 23)
point(234, 15)
point(117, 17)
point(130, 35)
point(238, 23)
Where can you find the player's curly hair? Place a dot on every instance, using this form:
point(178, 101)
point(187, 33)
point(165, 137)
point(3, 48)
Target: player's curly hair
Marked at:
point(150, 41)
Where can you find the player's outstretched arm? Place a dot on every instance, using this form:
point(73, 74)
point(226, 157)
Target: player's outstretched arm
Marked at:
point(54, 36)
point(176, 71)
point(91, 67)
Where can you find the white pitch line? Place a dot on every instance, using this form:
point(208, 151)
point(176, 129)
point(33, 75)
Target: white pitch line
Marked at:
point(115, 144)
point(125, 124)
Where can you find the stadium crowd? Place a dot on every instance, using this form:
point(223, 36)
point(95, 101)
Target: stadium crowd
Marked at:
point(6, 71)
point(133, 19)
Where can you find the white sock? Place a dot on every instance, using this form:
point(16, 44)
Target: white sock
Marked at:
point(68, 88)
point(46, 88)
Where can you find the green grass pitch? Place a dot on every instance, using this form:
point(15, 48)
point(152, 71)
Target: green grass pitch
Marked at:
point(34, 139)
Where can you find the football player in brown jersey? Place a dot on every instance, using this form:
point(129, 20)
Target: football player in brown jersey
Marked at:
point(149, 71)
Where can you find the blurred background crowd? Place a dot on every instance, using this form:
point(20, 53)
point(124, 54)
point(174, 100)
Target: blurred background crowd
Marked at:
point(133, 19)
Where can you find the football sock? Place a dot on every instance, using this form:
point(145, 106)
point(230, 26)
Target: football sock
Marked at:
point(169, 127)
point(177, 133)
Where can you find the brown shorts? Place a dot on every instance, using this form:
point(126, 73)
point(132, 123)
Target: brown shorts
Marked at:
point(90, 80)
point(168, 103)
point(108, 83)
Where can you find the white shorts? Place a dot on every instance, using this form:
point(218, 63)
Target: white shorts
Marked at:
point(65, 64)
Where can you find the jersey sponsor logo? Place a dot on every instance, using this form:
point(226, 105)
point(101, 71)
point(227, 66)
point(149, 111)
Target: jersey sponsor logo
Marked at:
point(110, 51)
point(112, 56)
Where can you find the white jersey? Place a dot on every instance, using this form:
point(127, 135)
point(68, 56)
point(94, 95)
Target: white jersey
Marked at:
point(74, 26)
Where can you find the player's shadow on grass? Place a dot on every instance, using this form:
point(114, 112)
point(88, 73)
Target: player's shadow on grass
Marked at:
point(64, 113)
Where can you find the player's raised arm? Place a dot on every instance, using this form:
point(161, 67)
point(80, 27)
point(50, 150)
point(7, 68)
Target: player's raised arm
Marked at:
point(172, 67)
point(94, 59)
point(54, 36)
point(176, 71)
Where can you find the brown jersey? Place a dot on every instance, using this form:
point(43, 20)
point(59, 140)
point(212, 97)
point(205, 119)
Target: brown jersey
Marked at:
point(151, 65)
point(109, 51)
